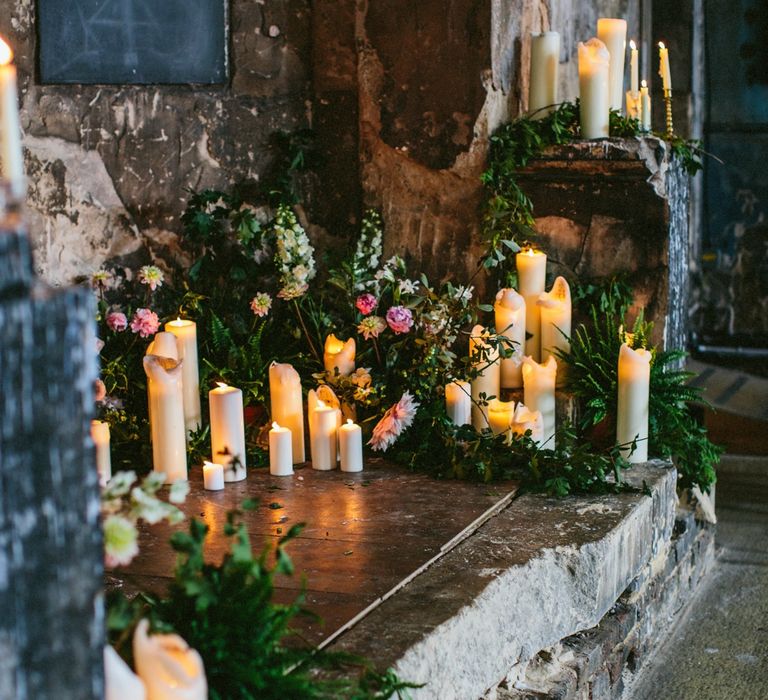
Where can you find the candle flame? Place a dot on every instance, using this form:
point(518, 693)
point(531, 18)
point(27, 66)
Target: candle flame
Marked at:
point(661, 45)
point(529, 252)
point(206, 463)
point(350, 421)
point(321, 404)
point(275, 425)
point(222, 385)
point(643, 83)
point(632, 44)
point(6, 55)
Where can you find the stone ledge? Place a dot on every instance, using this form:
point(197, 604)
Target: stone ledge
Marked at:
point(539, 571)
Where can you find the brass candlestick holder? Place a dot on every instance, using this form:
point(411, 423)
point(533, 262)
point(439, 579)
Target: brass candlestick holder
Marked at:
point(668, 105)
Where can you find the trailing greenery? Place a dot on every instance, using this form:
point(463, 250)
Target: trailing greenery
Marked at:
point(227, 613)
point(673, 431)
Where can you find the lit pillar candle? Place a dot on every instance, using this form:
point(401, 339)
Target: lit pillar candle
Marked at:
point(509, 312)
point(286, 405)
point(280, 452)
point(594, 102)
point(632, 405)
point(613, 33)
point(213, 476)
point(323, 422)
point(634, 68)
point(531, 276)
point(186, 340)
point(486, 384)
point(225, 404)
point(351, 447)
point(100, 437)
point(664, 72)
point(164, 345)
point(458, 402)
point(539, 394)
point(524, 420)
point(339, 355)
point(11, 157)
point(500, 415)
point(555, 309)
point(169, 439)
point(645, 107)
point(545, 59)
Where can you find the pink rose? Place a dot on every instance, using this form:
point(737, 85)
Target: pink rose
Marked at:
point(366, 303)
point(145, 323)
point(400, 319)
point(117, 321)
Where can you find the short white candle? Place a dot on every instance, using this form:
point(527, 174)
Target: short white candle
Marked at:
point(213, 476)
point(555, 308)
point(280, 451)
point(545, 60)
point(286, 403)
point(487, 384)
point(664, 72)
point(458, 402)
point(100, 437)
point(186, 340)
point(11, 157)
point(524, 420)
point(633, 398)
point(594, 104)
point(351, 447)
point(539, 394)
point(164, 345)
point(225, 404)
point(613, 33)
point(509, 313)
point(169, 435)
point(634, 73)
point(322, 435)
point(645, 107)
point(531, 275)
point(339, 355)
point(500, 415)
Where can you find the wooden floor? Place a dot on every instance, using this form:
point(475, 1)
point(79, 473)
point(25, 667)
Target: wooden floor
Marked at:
point(366, 534)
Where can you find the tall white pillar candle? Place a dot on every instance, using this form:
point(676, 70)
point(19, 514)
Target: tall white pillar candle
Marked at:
point(100, 437)
point(500, 415)
point(351, 447)
point(186, 340)
point(286, 404)
point(169, 435)
point(213, 476)
point(322, 435)
point(486, 385)
point(280, 452)
point(11, 157)
point(524, 420)
point(632, 405)
point(539, 394)
point(555, 309)
point(613, 33)
point(339, 355)
point(225, 404)
point(531, 275)
point(458, 402)
point(545, 59)
point(634, 68)
point(509, 313)
point(594, 102)
point(664, 72)
point(645, 108)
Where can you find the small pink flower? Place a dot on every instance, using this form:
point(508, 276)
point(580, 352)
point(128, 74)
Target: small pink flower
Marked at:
point(393, 422)
point(152, 276)
point(99, 391)
point(145, 323)
point(117, 321)
point(366, 303)
point(261, 304)
point(372, 327)
point(400, 319)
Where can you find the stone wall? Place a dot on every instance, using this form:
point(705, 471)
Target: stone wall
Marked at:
point(401, 97)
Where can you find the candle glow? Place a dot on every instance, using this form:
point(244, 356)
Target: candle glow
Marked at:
point(6, 54)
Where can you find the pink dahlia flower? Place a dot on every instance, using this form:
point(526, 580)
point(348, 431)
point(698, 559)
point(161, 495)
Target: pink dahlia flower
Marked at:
point(117, 321)
point(366, 303)
point(393, 422)
point(145, 323)
point(400, 319)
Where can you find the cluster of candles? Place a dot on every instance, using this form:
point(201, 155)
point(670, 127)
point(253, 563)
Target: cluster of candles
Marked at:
point(601, 77)
point(173, 389)
point(535, 325)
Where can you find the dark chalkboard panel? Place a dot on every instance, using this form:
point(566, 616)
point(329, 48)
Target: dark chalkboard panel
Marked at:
point(132, 41)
